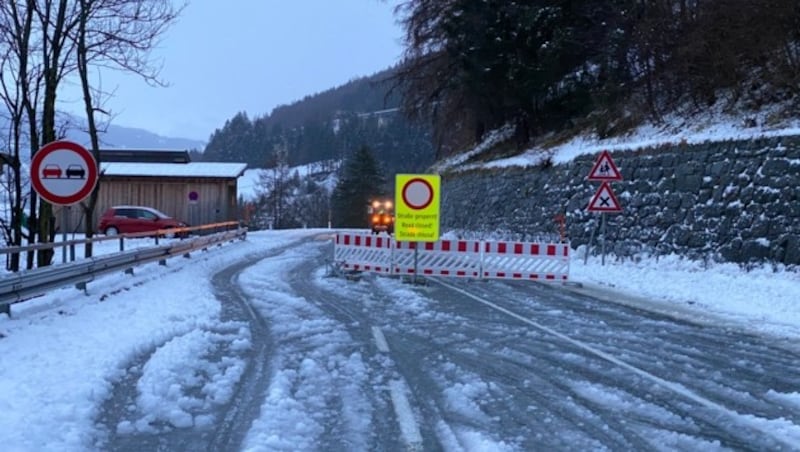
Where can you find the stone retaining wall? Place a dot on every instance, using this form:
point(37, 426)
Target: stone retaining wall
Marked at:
point(736, 201)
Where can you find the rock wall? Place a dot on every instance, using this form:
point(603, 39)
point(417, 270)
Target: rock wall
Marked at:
point(736, 201)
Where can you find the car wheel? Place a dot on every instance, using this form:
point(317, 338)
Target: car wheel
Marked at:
point(111, 230)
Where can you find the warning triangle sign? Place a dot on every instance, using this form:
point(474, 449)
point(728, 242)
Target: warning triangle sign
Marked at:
point(604, 168)
point(604, 200)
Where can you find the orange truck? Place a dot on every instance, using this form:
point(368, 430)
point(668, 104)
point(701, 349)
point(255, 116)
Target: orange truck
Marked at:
point(381, 216)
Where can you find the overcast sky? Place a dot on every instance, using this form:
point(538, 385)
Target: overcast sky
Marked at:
point(223, 57)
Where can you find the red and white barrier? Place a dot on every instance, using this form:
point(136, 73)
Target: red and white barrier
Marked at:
point(363, 252)
point(526, 260)
point(459, 258)
point(455, 258)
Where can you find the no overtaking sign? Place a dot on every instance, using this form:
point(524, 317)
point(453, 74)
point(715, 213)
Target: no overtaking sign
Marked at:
point(63, 173)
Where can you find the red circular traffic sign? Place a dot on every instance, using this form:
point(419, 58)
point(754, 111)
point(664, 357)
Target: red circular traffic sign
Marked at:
point(63, 172)
point(417, 193)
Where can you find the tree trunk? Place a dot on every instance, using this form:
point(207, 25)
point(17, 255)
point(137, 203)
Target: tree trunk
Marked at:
point(83, 71)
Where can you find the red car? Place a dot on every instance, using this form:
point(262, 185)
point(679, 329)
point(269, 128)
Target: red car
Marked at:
point(123, 219)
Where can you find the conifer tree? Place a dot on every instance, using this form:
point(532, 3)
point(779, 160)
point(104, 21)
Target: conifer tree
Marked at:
point(361, 180)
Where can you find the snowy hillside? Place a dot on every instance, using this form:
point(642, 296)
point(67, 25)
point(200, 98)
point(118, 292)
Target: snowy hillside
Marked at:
point(711, 125)
point(247, 185)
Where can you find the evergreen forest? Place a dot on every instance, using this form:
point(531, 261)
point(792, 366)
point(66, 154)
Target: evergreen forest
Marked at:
point(544, 69)
point(328, 126)
point(541, 67)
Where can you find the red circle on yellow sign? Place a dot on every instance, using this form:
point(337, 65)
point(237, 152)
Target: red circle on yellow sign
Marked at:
point(417, 193)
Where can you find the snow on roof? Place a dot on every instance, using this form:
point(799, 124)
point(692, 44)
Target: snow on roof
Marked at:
point(191, 169)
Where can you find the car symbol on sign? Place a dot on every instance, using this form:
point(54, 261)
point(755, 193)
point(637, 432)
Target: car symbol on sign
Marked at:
point(51, 171)
point(77, 171)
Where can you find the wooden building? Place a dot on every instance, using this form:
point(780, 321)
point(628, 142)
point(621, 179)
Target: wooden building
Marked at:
point(194, 192)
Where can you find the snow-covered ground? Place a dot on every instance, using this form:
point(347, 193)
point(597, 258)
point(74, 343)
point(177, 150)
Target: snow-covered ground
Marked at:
point(709, 126)
point(60, 353)
point(763, 299)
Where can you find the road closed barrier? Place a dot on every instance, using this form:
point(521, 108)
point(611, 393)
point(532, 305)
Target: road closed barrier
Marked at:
point(458, 258)
point(525, 260)
point(539, 261)
point(363, 252)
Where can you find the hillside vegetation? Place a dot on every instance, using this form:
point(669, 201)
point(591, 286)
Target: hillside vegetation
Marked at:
point(550, 67)
point(328, 126)
point(544, 70)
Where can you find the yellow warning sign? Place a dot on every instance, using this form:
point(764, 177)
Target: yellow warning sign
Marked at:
point(417, 207)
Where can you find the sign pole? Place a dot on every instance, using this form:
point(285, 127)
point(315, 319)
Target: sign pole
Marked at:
point(416, 251)
point(64, 226)
point(589, 247)
point(603, 232)
point(604, 201)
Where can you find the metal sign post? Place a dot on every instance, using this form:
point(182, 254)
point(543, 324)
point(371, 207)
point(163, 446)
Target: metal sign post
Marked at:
point(64, 227)
point(603, 245)
point(416, 261)
point(604, 200)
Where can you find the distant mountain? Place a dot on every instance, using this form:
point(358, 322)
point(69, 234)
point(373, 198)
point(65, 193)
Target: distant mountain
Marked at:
point(120, 137)
point(329, 126)
point(133, 138)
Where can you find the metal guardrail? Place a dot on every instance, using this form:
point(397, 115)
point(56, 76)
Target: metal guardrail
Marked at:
point(23, 285)
point(70, 245)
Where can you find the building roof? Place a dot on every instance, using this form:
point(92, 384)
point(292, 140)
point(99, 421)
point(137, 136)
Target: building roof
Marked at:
point(191, 169)
point(145, 155)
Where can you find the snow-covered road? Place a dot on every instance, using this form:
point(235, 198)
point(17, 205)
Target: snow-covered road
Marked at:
point(254, 346)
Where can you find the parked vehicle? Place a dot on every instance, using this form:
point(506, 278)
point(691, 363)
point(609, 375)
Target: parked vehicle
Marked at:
point(124, 219)
point(381, 216)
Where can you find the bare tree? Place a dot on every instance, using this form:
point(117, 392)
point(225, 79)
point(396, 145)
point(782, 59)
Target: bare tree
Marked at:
point(20, 79)
point(55, 20)
point(275, 187)
point(119, 35)
point(46, 40)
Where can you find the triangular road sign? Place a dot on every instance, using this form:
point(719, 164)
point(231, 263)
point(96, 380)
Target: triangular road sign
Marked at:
point(604, 168)
point(604, 200)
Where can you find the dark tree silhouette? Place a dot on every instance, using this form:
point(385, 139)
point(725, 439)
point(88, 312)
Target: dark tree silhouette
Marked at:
point(360, 181)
